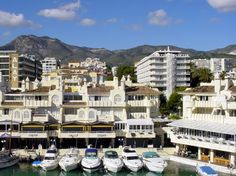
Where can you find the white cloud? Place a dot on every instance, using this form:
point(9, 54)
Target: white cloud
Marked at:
point(111, 20)
point(6, 34)
point(159, 17)
point(223, 5)
point(8, 19)
point(65, 12)
point(87, 22)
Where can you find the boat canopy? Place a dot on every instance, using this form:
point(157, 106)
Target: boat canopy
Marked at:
point(91, 150)
point(208, 170)
point(216, 127)
point(150, 155)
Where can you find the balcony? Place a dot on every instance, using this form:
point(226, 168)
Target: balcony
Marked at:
point(33, 134)
point(85, 134)
point(138, 115)
point(37, 103)
point(207, 104)
point(183, 79)
point(183, 67)
point(231, 105)
point(208, 117)
point(140, 134)
point(204, 142)
point(106, 104)
point(105, 118)
point(71, 117)
point(40, 118)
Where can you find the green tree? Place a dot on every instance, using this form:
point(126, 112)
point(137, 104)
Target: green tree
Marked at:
point(222, 75)
point(174, 103)
point(199, 75)
point(126, 70)
point(163, 104)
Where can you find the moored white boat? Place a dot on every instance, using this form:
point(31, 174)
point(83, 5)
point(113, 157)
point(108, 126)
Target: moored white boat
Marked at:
point(131, 159)
point(153, 162)
point(112, 162)
point(51, 159)
point(91, 162)
point(7, 160)
point(206, 171)
point(71, 160)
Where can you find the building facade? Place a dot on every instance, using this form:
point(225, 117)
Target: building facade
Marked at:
point(165, 70)
point(208, 127)
point(16, 67)
point(110, 114)
point(49, 64)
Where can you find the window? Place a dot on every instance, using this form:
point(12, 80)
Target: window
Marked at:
point(26, 114)
point(81, 114)
point(71, 111)
point(97, 98)
point(6, 111)
point(91, 115)
point(17, 114)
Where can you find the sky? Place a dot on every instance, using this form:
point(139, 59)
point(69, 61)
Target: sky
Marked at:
point(122, 24)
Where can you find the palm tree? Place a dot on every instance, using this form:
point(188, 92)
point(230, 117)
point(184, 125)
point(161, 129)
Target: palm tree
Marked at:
point(222, 75)
point(205, 75)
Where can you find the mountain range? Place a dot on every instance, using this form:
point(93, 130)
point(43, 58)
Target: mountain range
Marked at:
point(51, 47)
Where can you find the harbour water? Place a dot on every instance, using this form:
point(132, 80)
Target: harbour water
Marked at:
point(25, 169)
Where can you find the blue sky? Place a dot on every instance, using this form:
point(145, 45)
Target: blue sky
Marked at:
point(121, 24)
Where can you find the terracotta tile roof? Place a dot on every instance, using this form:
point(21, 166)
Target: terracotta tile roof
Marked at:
point(100, 89)
point(201, 89)
point(13, 103)
point(144, 90)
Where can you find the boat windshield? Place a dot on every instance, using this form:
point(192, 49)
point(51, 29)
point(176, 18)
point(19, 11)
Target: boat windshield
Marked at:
point(49, 158)
point(150, 155)
point(111, 154)
point(51, 151)
point(91, 154)
point(132, 157)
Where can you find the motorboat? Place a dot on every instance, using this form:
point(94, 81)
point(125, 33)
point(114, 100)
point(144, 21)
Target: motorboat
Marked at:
point(7, 160)
point(206, 171)
point(112, 162)
point(91, 162)
point(131, 159)
point(51, 159)
point(153, 162)
point(71, 160)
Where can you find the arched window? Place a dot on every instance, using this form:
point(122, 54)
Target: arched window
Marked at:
point(81, 114)
point(117, 98)
point(26, 114)
point(17, 115)
point(91, 115)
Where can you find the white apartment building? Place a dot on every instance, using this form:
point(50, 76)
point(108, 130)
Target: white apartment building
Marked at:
point(49, 64)
point(217, 65)
point(93, 64)
point(208, 127)
point(165, 70)
point(77, 113)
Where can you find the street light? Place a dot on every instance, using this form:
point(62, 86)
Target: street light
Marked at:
point(121, 141)
point(53, 141)
point(3, 143)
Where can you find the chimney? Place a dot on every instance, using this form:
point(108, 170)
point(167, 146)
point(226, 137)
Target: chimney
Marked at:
point(115, 82)
point(27, 83)
point(122, 83)
point(23, 86)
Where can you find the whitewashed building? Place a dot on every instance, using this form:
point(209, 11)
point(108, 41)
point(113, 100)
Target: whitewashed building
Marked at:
point(77, 113)
point(165, 70)
point(208, 127)
point(49, 64)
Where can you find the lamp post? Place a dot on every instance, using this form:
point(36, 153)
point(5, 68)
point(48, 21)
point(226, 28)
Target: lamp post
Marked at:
point(3, 141)
point(53, 141)
point(120, 141)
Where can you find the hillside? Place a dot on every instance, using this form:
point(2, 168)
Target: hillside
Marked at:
point(51, 47)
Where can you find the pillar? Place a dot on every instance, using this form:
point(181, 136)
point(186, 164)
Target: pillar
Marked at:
point(177, 148)
point(148, 112)
point(211, 156)
point(232, 159)
point(199, 153)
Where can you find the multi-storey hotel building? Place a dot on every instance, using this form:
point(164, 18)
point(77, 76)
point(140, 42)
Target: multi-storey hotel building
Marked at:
point(49, 64)
point(109, 114)
point(17, 67)
point(165, 70)
point(208, 127)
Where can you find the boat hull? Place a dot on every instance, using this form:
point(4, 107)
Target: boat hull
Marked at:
point(133, 168)
point(14, 161)
point(68, 167)
point(49, 167)
point(112, 168)
point(92, 169)
point(153, 168)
